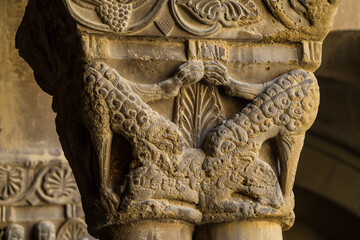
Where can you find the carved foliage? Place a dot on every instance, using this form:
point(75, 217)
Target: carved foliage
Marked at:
point(72, 230)
point(11, 182)
point(123, 16)
point(198, 110)
point(214, 14)
point(53, 183)
point(59, 182)
point(226, 12)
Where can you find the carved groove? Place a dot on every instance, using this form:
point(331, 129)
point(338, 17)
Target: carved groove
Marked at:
point(199, 109)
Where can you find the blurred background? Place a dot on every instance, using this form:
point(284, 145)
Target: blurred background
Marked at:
point(327, 187)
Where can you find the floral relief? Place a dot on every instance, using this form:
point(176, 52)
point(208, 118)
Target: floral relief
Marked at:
point(59, 182)
point(227, 12)
point(72, 230)
point(11, 180)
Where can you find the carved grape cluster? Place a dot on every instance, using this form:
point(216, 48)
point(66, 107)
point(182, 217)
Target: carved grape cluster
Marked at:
point(115, 14)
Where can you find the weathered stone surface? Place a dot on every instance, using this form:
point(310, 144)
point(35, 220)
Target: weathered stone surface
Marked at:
point(144, 92)
point(38, 195)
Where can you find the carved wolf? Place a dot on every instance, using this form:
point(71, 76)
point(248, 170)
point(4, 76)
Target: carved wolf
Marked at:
point(236, 177)
point(157, 170)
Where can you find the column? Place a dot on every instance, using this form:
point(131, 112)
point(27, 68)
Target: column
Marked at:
point(180, 119)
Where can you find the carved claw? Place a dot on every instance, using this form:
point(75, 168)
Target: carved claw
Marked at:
point(109, 197)
point(190, 72)
point(215, 73)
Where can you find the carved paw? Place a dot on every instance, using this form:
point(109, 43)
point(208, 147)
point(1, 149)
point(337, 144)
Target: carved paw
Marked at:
point(215, 73)
point(190, 72)
point(109, 198)
point(243, 207)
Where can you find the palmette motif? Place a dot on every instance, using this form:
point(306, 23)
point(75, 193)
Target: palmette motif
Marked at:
point(228, 12)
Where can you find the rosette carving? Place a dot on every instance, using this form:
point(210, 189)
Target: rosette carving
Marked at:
point(11, 182)
point(72, 230)
point(59, 182)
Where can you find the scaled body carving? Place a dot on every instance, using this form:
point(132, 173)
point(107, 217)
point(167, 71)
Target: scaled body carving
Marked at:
point(160, 168)
point(144, 91)
point(237, 184)
point(240, 183)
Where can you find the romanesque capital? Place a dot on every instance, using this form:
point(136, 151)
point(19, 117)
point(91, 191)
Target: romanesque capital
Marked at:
point(180, 116)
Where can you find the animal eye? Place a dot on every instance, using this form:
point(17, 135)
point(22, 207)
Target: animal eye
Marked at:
point(227, 146)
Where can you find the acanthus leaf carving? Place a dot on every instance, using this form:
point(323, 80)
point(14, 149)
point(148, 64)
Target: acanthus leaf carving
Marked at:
point(227, 12)
point(214, 14)
point(198, 110)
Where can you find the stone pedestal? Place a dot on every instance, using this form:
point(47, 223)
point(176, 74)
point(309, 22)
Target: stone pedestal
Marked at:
point(176, 114)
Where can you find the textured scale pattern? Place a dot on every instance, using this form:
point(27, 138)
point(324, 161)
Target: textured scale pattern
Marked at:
point(237, 180)
point(159, 169)
point(289, 105)
point(130, 116)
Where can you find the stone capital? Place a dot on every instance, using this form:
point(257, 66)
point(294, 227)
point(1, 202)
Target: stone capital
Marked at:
point(180, 115)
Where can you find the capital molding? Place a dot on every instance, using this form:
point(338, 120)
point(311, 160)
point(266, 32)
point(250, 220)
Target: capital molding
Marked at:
point(186, 112)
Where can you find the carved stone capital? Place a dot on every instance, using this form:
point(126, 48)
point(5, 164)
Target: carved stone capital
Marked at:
point(178, 114)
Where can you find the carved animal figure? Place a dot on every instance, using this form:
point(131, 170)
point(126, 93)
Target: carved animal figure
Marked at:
point(236, 177)
point(111, 106)
point(304, 8)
